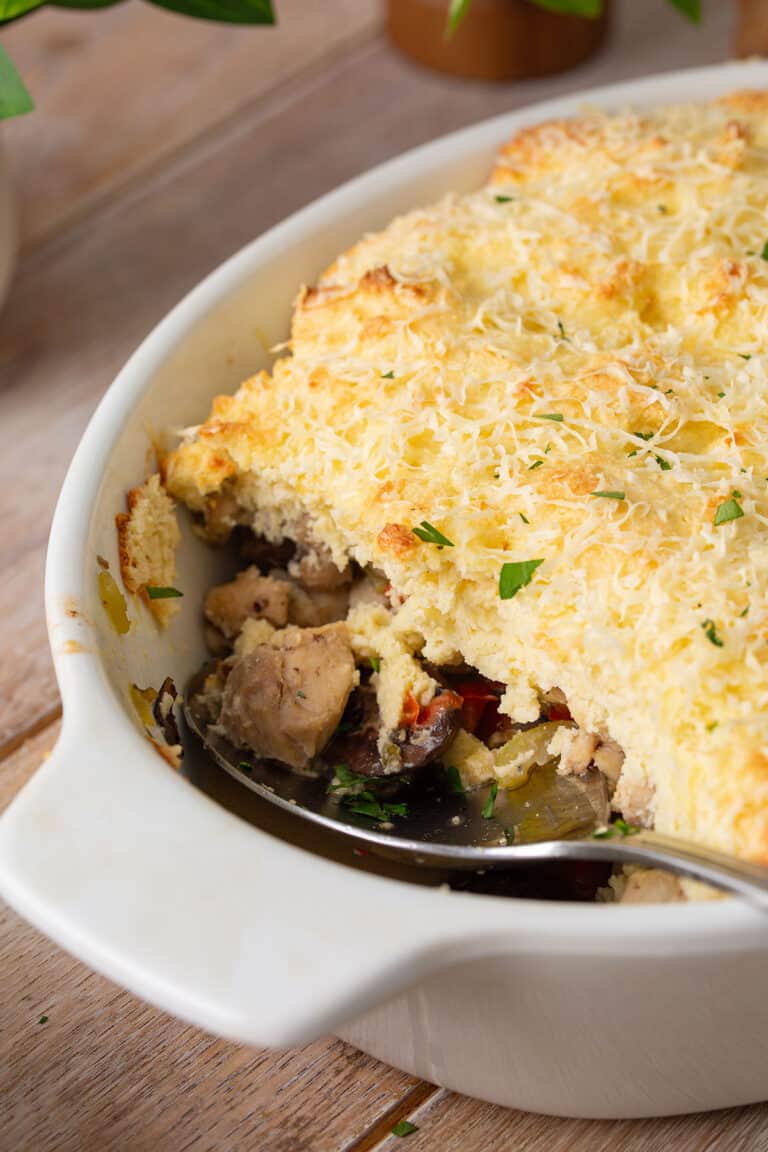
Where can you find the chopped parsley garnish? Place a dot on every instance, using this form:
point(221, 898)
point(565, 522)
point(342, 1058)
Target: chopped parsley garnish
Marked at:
point(720, 395)
point(710, 631)
point(516, 575)
point(404, 1127)
point(375, 663)
point(663, 464)
point(561, 330)
point(644, 435)
point(524, 518)
point(745, 355)
point(156, 593)
point(548, 449)
point(744, 611)
point(244, 766)
point(431, 535)
point(764, 253)
point(557, 416)
point(728, 510)
point(301, 695)
point(503, 199)
point(43, 1020)
point(366, 804)
point(488, 807)
point(388, 375)
point(453, 776)
point(711, 726)
point(609, 495)
point(618, 828)
point(536, 464)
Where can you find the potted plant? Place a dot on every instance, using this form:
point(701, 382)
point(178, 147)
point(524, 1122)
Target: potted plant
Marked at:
point(15, 100)
point(504, 39)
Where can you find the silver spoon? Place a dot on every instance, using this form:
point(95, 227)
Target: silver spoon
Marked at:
point(552, 817)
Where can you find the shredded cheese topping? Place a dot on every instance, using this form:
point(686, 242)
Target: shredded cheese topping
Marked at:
point(592, 321)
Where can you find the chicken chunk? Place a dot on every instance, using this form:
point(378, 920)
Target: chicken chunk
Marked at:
point(284, 700)
point(228, 606)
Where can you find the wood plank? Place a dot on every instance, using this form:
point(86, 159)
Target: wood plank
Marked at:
point(451, 1123)
point(107, 1071)
point(119, 90)
point(83, 300)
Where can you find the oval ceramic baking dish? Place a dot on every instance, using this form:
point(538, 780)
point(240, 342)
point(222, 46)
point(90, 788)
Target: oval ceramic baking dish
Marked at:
point(569, 1009)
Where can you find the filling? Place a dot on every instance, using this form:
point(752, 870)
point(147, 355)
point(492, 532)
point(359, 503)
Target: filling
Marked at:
point(312, 668)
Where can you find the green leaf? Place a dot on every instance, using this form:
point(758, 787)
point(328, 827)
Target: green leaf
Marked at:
point(609, 495)
point(710, 631)
point(226, 11)
point(503, 199)
point(556, 416)
point(366, 804)
point(456, 12)
point(431, 535)
point(15, 100)
point(375, 663)
point(590, 9)
point(455, 786)
point(515, 576)
point(404, 1128)
point(12, 9)
point(728, 510)
point(689, 8)
point(488, 807)
point(84, 3)
point(156, 593)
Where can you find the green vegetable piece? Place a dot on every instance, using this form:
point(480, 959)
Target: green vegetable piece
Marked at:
point(710, 631)
point(431, 535)
point(727, 511)
point(490, 803)
point(516, 575)
point(404, 1128)
point(453, 776)
point(156, 593)
point(609, 495)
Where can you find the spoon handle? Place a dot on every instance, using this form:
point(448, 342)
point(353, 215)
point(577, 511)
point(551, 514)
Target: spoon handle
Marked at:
point(697, 862)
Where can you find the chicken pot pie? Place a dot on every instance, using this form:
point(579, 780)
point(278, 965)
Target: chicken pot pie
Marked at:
point(504, 499)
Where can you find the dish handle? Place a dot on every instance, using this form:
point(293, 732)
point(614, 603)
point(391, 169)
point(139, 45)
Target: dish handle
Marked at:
point(127, 866)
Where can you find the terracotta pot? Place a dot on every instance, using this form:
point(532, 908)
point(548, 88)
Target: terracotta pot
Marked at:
point(497, 40)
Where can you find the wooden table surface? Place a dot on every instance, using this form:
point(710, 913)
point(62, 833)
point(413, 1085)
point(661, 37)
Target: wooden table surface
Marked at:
point(160, 146)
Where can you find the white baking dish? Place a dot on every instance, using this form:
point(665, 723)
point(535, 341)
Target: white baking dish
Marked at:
point(562, 1008)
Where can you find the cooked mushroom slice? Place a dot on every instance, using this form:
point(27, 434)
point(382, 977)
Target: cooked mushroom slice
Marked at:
point(285, 699)
point(228, 606)
point(162, 710)
point(432, 730)
point(356, 741)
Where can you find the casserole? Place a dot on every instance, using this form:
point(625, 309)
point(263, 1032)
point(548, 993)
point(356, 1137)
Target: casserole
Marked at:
point(567, 1009)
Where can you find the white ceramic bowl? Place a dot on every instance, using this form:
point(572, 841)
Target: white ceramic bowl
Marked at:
point(561, 1008)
